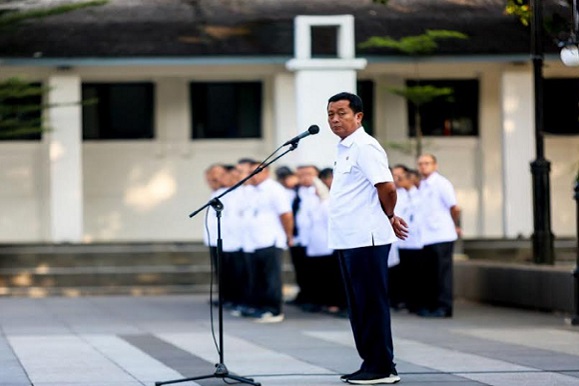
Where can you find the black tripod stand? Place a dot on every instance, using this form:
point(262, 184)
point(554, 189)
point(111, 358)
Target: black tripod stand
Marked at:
point(221, 370)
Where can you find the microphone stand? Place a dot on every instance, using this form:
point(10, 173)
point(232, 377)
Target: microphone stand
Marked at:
point(221, 370)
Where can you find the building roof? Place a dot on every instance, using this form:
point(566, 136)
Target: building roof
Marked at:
point(203, 28)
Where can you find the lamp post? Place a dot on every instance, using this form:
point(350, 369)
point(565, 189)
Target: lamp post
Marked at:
point(543, 251)
point(575, 317)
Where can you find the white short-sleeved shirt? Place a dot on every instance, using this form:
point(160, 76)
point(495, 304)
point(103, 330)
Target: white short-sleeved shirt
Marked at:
point(230, 221)
point(267, 203)
point(303, 219)
point(210, 223)
point(356, 216)
point(408, 207)
point(318, 211)
point(437, 196)
point(244, 206)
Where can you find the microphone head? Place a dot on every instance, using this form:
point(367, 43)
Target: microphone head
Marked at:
point(314, 129)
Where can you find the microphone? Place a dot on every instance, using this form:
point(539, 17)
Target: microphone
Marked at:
point(313, 129)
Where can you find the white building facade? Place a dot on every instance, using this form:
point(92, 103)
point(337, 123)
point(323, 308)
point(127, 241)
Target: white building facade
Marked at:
point(63, 189)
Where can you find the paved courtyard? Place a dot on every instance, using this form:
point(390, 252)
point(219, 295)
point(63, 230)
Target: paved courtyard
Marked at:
point(133, 341)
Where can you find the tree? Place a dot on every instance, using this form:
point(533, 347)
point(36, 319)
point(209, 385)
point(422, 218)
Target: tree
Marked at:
point(415, 46)
point(21, 103)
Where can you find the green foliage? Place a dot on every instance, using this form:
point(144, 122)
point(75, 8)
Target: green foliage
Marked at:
point(19, 111)
point(413, 45)
point(383, 2)
point(419, 95)
point(14, 17)
point(521, 9)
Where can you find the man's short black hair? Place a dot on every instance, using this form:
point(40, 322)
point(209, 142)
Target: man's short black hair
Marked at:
point(355, 101)
point(326, 173)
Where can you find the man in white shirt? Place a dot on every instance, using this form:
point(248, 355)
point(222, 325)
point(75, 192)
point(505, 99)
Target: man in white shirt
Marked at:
point(362, 227)
point(214, 177)
point(269, 225)
point(440, 228)
point(407, 278)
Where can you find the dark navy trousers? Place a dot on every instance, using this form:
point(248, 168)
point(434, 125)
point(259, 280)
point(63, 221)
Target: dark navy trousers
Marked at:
point(365, 274)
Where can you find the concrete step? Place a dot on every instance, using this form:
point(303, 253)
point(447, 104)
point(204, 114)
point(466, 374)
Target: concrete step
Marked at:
point(99, 269)
point(514, 250)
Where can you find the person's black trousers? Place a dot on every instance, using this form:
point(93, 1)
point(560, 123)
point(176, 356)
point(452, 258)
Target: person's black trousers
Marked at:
point(415, 278)
point(298, 257)
point(235, 277)
point(327, 285)
point(441, 254)
point(266, 274)
point(365, 273)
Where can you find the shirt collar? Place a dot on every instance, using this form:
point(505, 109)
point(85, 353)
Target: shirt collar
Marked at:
point(431, 178)
point(350, 139)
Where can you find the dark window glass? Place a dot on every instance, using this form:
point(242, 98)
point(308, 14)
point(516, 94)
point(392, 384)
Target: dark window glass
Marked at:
point(119, 111)
point(452, 115)
point(226, 109)
point(561, 106)
point(366, 92)
point(21, 116)
point(324, 41)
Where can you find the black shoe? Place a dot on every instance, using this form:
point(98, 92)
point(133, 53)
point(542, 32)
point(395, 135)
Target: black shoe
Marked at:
point(310, 307)
point(365, 378)
point(344, 378)
point(438, 313)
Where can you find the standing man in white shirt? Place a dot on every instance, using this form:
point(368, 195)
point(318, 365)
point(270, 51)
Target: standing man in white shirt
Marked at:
point(440, 228)
point(410, 272)
point(270, 230)
point(362, 227)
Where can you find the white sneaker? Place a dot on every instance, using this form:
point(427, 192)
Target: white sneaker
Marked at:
point(269, 317)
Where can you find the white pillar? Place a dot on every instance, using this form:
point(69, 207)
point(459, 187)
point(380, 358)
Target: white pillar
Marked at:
point(285, 125)
point(491, 133)
point(518, 152)
point(172, 117)
point(65, 158)
point(316, 80)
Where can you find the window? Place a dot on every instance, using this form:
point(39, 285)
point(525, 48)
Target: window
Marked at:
point(452, 115)
point(119, 111)
point(366, 92)
point(20, 111)
point(324, 41)
point(561, 106)
point(226, 109)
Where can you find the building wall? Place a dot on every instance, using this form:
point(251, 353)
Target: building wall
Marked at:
point(145, 190)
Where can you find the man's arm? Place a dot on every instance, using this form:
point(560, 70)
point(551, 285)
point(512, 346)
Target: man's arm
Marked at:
point(455, 213)
point(387, 196)
point(287, 222)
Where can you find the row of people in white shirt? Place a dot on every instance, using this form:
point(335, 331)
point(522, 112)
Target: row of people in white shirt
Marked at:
point(251, 215)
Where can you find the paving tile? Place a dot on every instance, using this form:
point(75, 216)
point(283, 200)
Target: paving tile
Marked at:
point(136, 341)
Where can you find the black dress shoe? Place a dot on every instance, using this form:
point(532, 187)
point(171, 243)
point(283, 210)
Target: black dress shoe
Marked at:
point(437, 313)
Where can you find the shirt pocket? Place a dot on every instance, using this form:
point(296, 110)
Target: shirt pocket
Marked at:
point(343, 167)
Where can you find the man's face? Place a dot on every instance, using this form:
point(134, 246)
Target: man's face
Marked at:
point(231, 177)
point(290, 181)
point(259, 177)
point(306, 175)
point(401, 178)
point(214, 177)
point(426, 165)
point(342, 119)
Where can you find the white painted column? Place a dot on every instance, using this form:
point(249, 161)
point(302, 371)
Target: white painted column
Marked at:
point(316, 80)
point(285, 126)
point(65, 159)
point(491, 203)
point(172, 117)
point(518, 152)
